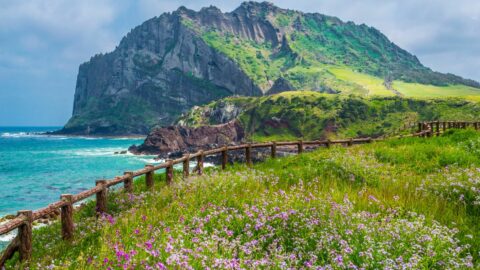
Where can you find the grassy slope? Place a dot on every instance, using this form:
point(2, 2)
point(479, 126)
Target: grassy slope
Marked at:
point(327, 54)
point(313, 115)
point(375, 87)
point(402, 203)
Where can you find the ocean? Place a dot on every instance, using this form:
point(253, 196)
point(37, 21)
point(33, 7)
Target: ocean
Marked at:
point(36, 169)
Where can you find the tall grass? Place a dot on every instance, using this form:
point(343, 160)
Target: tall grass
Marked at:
point(398, 204)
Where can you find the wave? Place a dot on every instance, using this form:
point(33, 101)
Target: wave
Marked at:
point(91, 152)
point(110, 152)
point(11, 235)
point(59, 137)
point(8, 236)
point(22, 135)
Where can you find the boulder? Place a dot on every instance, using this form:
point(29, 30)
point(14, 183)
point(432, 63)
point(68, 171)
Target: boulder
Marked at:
point(180, 139)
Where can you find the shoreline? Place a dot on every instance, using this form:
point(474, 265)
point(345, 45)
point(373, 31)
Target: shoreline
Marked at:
point(92, 136)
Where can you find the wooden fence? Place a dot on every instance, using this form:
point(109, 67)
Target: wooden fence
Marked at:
point(25, 218)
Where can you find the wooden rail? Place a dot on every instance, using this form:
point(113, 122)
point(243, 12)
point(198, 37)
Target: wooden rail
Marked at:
point(25, 218)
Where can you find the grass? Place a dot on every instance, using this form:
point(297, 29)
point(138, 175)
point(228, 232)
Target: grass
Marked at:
point(409, 203)
point(431, 91)
point(373, 84)
point(314, 115)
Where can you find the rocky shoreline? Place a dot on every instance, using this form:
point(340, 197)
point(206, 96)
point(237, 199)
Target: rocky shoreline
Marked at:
point(174, 141)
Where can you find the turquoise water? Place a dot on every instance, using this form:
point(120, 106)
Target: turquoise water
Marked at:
point(36, 169)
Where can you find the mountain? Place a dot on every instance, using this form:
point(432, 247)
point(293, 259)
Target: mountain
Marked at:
point(178, 60)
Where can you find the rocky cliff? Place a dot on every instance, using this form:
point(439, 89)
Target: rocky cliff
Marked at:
point(178, 60)
point(159, 70)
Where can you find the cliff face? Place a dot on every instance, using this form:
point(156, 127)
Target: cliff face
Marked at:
point(159, 70)
point(171, 63)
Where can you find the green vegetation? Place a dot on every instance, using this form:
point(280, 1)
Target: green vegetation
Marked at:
point(312, 115)
point(403, 204)
point(121, 115)
point(325, 54)
point(258, 61)
point(431, 91)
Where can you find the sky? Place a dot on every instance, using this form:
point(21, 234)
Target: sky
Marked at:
point(42, 42)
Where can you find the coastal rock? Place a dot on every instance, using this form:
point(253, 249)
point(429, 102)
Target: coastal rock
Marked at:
point(222, 112)
point(179, 139)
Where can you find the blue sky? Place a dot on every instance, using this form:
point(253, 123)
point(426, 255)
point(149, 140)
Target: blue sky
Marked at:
point(42, 42)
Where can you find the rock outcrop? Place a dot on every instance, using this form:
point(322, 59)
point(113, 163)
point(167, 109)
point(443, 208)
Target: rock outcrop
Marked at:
point(176, 139)
point(280, 85)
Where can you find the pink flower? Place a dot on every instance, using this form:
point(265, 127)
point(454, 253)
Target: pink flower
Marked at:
point(372, 198)
point(160, 265)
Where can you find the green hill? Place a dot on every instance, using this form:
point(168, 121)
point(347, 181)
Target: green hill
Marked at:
point(316, 52)
point(401, 204)
point(187, 58)
point(313, 115)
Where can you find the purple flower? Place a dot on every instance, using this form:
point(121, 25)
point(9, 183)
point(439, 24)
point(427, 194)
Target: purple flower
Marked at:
point(339, 260)
point(160, 265)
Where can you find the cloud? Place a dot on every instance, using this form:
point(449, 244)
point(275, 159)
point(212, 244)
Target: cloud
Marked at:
point(57, 28)
point(42, 42)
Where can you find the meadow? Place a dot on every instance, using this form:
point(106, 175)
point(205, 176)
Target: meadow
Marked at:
point(410, 203)
point(374, 86)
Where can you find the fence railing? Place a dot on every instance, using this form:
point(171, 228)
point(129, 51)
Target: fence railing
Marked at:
point(25, 218)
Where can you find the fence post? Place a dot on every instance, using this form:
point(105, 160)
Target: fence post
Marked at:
point(200, 163)
point(273, 150)
point(475, 125)
point(248, 154)
point(300, 147)
point(186, 166)
point(437, 126)
point(350, 142)
point(149, 176)
point(420, 127)
point(25, 235)
point(128, 182)
point(328, 143)
point(101, 196)
point(224, 157)
point(169, 171)
point(444, 128)
point(67, 216)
